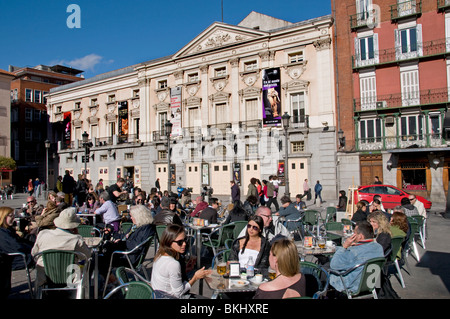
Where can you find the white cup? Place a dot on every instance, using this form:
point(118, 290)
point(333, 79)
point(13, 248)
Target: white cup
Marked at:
point(329, 243)
point(258, 278)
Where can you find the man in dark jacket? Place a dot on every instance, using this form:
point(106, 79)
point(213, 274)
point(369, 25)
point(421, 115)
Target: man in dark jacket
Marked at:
point(165, 216)
point(69, 185)
point(235, 192)
point(210, 212)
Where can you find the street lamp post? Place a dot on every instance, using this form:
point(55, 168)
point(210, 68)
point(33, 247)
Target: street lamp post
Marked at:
point(47, 147)
point(168, 126)
point(87, 147)
point(285, 119)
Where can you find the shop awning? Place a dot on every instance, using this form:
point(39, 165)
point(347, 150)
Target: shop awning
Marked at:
point(419, 149)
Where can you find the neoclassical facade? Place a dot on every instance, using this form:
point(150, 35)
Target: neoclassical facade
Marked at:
point(224, 93)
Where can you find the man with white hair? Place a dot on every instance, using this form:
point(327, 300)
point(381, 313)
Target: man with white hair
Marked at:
point(273, 228)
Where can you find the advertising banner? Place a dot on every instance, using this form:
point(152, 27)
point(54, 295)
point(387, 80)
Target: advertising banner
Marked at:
point(175, 110)
point(271, 97)
point(67, 127)
point(123, 121)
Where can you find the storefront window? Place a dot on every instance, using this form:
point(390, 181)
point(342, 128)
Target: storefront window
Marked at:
point(414, 176)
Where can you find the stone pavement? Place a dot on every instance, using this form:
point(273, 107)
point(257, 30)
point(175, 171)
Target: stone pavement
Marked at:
point(427, 279)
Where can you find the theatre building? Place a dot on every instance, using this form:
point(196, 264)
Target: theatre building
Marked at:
point(224, 93)
point(393, 57)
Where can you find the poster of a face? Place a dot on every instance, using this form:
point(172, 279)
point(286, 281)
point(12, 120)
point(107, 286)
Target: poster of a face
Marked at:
point(271, 97)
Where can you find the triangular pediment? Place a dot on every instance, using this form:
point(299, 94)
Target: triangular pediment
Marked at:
point(218, 35)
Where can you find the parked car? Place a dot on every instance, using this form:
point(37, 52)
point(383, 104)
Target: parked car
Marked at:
point(390, 195)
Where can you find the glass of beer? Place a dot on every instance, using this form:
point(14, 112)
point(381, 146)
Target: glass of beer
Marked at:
point(272, 274)
point(221, 268)
point(321, 242)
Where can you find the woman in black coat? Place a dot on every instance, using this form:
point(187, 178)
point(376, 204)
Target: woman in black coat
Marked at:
point(253, 243)
point(10, 242)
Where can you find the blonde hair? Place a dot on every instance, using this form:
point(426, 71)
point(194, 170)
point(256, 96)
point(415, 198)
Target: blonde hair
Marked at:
point(287, 257)
point(4, 211)
point(383, 223)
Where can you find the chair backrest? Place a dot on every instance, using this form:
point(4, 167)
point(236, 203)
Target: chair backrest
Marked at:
point(125, 227)
point(144, 246)
point(58, 264)
point(331, 212)
point(134, 290)
point(334, 226)
point(226, 232)
point(85, 230)
point(371, 275)
point(314, 274)
point(310, 217)
point(226, 255)
point(414, 225)
point(238, 226)
point(121, 208)
point(419, 219)
point(396, 244)
point(159, 230)
point(347, 221)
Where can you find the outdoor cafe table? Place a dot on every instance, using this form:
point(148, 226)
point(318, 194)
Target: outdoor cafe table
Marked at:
point(229, 285)
point(313, 251)
point(94, 244)
point(198, 243)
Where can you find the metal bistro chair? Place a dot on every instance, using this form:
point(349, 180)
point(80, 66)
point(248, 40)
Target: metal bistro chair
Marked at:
point(396, 245)
point(331, 214)
point(316, 287)
point(239, 225)
point(311, 219)
point(421, 229)
point(125, 227)
point(138, 266)
point(298, 226)
point(63, 271)
point(334, 226)
point(224, 232)
point(133, 290)
point(89, 231)
point(370, 278)
point(125, 275)
point(412, 241)
point(225, 253)
point(27, 270)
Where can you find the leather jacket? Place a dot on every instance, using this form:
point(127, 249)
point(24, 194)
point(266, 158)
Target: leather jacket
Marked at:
point(167, 217)
point(262, 261)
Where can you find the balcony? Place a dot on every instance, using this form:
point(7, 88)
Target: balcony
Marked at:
point(406, 9)
point(399, 100)
point(421, 51)
point(362, 20)
point(442, 5)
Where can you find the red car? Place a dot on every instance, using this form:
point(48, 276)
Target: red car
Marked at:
point(390, 195)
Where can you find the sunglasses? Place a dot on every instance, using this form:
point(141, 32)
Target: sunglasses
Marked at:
point(33, 201)
point(412, 199)
point(256, 228)
point(180, 242)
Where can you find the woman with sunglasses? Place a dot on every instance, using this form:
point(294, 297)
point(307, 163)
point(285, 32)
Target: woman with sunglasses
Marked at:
point(169, 279)
point(253, 244)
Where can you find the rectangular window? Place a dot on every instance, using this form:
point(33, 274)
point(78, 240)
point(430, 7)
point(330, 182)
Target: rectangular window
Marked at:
point(28, 95)
point(162, 84)
point(368, 92)
point(370, 131)
point(28, 115)
point(112, 129)
point(162, 155)
point(298, 107)
point(162, 122)
point(410, 87)
point(194, 115)
point(193, 77)
point(222, 113)
point(250, 66)
point(411, 127)
point(435, 126)
point(366, 48)
point(220, 72)
point(296, 57)
point(251, 109)
point(408, 39)
point(37, 96)
point(44, 97)
point(298, 147)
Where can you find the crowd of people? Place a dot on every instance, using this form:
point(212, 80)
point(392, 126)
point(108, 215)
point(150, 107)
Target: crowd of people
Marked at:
point(267, 239)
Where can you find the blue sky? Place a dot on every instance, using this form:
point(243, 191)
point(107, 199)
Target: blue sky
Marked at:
point(118, 33)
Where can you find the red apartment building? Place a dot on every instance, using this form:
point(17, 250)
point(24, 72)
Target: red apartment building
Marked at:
point(392, 91)
point(29, 120)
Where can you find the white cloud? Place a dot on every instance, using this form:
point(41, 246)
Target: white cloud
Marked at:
point(85, 63)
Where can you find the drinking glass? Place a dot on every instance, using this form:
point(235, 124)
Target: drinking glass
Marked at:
point(272, 274)
point(321, 242)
